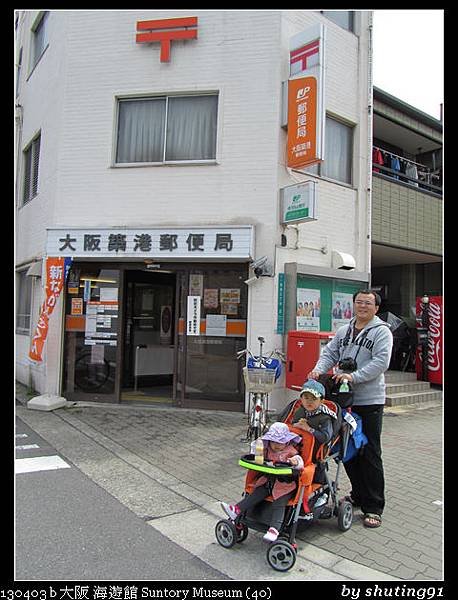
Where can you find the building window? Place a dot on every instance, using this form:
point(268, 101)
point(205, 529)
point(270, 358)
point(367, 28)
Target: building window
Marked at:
point(338, 151)
point(344, 18)
point(39, 38)
point(167, 129)
point(23, 302)
point(31, 160)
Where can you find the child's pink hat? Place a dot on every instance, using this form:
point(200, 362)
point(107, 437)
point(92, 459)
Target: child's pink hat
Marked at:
point(280, 433)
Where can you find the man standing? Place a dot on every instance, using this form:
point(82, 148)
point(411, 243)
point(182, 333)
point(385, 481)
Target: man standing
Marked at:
point(368, 341)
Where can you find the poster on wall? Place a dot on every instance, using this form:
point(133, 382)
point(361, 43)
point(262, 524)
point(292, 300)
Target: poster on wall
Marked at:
point(210, 298)
point(196, 284)
point(308, 309)
point(216, 325)
point(342, 309)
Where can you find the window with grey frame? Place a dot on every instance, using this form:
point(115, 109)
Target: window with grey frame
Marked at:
point(343, 18)
point(39, 38)
point(23, 301)
point(31, 164)
point(167, 129)
point(338, 152)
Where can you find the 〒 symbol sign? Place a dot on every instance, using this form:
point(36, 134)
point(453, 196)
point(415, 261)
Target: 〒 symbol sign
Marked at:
point(166, 30)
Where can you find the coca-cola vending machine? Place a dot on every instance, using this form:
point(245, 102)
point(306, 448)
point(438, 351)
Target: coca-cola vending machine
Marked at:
point(435, 324)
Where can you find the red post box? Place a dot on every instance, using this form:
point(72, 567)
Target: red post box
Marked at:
point(302, 353)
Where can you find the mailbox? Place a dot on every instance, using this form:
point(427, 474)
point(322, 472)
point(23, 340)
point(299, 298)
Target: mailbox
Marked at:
point(303, 350)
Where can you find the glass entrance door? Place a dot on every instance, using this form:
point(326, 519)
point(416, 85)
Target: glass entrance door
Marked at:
point(212, 329)
point(149, 337)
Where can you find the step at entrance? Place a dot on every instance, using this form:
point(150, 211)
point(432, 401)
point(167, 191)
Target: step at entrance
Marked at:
point(403, 388)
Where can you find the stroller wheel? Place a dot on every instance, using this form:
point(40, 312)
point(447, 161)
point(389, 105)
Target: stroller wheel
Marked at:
point(344, 515)
point(281, 556)
point(242, 532)
point(226, 533)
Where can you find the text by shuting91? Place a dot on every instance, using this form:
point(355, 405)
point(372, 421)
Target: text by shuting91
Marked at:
point(405, 590)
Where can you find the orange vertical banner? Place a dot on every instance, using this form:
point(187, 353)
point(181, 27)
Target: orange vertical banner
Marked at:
point(302, 122)
point(55, 278)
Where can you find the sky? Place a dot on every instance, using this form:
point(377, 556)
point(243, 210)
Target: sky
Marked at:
point(408, 56)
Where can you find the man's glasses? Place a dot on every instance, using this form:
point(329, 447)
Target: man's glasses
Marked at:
point(364, 303)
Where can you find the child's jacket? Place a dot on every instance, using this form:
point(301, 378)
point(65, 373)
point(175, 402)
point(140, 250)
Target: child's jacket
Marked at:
point(280, 488)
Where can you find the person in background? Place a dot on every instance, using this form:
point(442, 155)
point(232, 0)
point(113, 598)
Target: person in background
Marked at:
point(369, 342)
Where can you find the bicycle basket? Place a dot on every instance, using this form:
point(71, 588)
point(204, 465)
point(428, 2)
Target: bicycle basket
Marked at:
point(268, 363)
point(259, 379)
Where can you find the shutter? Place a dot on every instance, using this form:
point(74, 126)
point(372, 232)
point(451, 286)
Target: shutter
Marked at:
point(27, 172)
point(36, 159)
point(31, 162)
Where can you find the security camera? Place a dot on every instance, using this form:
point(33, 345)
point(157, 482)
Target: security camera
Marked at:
point(257, 264)
point(251, 280)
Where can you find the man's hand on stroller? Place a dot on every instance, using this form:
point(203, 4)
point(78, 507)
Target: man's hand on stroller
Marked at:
point(339, 376)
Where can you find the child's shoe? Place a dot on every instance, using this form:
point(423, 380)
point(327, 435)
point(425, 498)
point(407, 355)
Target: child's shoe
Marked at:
point(271, 535)
point(231, 510)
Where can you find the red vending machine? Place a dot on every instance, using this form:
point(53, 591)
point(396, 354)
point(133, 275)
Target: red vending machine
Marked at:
point(435, 324)
point(303, 350)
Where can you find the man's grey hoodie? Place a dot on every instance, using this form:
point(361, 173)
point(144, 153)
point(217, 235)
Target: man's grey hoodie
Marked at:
point(372, 352)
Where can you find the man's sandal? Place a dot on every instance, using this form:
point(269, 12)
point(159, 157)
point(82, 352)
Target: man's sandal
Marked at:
point(372, 520)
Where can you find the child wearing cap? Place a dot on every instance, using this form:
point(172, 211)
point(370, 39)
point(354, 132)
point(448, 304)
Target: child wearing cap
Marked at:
point(311, 413)
point(278, 447)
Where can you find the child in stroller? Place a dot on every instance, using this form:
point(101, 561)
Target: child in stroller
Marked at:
point(278, 448)
point(313, 497)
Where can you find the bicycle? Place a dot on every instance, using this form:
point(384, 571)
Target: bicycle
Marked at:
point(260, 374)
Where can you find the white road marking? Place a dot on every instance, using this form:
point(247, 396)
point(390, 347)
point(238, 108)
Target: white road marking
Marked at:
point(21, 435)
point(27, 447)
point(40, 463)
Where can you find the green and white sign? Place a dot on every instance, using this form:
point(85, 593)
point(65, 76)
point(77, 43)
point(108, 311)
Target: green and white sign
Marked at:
point(298, 203)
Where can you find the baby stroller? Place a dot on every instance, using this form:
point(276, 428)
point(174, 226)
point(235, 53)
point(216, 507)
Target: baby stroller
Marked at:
point(316, 496)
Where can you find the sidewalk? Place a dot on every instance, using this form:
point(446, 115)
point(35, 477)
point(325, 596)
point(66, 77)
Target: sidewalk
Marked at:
point(152, 460)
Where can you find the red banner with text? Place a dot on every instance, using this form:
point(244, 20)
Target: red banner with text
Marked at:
point(56, 272)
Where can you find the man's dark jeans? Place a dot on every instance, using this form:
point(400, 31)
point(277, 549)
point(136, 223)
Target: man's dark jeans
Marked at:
point(365, 470)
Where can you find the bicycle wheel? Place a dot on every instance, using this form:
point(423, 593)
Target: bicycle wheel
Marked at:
point(89, 376)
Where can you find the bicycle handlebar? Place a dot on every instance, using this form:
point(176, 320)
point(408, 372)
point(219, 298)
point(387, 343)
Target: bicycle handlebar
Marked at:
point(277, 353)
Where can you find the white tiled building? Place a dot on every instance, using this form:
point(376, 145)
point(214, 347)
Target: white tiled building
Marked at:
point(93, 160)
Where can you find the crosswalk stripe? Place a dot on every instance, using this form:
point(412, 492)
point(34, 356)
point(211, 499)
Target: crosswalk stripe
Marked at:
point(39, 463)
point(21, 435)
point(27, 447)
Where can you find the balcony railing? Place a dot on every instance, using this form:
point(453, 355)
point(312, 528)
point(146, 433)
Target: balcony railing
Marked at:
point(409, 173)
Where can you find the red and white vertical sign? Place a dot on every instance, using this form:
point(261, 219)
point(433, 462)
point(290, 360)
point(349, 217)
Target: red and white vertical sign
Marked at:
point(435, 337)
point(306, 111)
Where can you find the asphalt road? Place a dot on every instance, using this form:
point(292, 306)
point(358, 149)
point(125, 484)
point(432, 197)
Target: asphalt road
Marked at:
point(69, 528)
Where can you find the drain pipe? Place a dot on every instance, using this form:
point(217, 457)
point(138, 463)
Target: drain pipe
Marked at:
point(370, 121)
